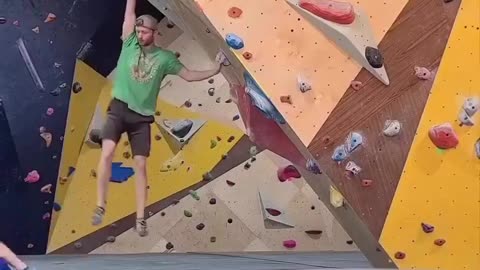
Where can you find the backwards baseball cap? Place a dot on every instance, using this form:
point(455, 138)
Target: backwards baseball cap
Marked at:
point(147, 21)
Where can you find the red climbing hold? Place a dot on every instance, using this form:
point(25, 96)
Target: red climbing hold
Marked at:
point(234, 12)
point(400, 255)
point(427, 228)
point(367, 182)
point(289, 243)
point(273, 212)
point(439, 242)
point(334, 11)
point(443, 136)
point(32, 177)
point(247, 55)
point(288, 172)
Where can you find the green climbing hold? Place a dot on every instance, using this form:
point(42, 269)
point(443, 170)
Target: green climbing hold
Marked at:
point(194, 194)
point(213, 144)
point(187, 213)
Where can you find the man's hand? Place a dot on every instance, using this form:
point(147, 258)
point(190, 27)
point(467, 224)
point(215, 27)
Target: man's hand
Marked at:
point(129, 19)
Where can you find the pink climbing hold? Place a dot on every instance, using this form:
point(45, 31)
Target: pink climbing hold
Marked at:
point(356, 85)
point(423, 73)
point(334, 11)
point(32, 177)
point(50, 111)
point(287, 173)
point(289, 243)
point(443, 136)
point(273, 212)
point(46, 216)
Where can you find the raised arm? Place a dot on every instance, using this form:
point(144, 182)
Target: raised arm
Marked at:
point(129, 19)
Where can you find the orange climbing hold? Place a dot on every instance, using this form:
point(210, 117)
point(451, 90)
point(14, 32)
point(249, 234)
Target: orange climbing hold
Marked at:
point(288, 172)
point(234, 12)
point(443, 136)
point(367, 182)
point(400, 255)
point(334, 11)
point(286, 99)
point(439, 242)
point(247, 55)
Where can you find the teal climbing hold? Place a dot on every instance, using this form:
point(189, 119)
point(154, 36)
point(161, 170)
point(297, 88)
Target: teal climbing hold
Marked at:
point(234, 41)
point(340, 153)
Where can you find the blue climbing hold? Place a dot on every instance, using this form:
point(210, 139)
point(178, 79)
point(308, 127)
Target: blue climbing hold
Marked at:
point(234, 41)
point(354, 140)
point(340, 153)
point(4, 264)
point(56, 207)
point(120, 174)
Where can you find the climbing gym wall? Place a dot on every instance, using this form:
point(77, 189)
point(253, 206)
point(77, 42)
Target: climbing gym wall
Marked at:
point(354, 142)
point(40, 40)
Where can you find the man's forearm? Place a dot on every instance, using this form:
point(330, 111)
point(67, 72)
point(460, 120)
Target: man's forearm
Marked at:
point(130, 8)
point(202, 75)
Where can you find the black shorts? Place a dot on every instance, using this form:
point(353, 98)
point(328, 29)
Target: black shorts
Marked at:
point(121, 119)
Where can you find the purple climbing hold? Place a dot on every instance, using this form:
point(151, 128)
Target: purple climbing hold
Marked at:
point(427, 228)
point(289, 243)
point(56, 207)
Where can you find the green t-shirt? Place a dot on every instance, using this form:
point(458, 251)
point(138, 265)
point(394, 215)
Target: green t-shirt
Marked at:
point(139, 75)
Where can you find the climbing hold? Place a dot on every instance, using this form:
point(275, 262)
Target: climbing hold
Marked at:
point(471, 105)
point(161, 214)
point(3, 20)
point(56, 207)
point(353, 168)
point(234, 41)
point(93, 173)
point(181, 128)
point(187, 103)
point(76, 88)
point(326, 140)
point(247, 166)
point(46, 216)
point(374, 57)
point(42, 129)
point(36, 30)
point(46, 189)
point(30, 246)
point(211, 80)
point(222, 59)
point(200, 226)
point(218, 99)
point(230, 183)
point(78, 245)
point(207, 176)
point(231, 138)
point(439, 242)
point(427, 228)
point(253, 151)
point(158, 137)
point(230, 220)
point(213, 239)
point(63, 180)
point(253, 159)
point(336, 198)
point(211, 91)
point(228, 100)
point(47, 137)
point(273, 212)
point(477, 148)
point(126, 155)
point(213, 201)
point(391, 128)
point(213, 144)
point(111, 239)
point(443, 136)
point(219, 138)
point(247, 55)
point(187, 213)
point(340, 153)
point(234, 12)
point(169, 246)
point(50, 18)
point(356, 85)
point(50, 111)
point(302, 84)
point(224, 156)
point(422, 73)
point(287, 173)
point(367, 182)
point(354, 140)
point(289, 243)
point(399, 255)
point(236, 117)
point(32, 177)
point(286, 99)
point(158, 113)
point(16, 23)
point(194, 194)
point(349, 242)
point(465, 119)
point(314, 232)
point(334, 11)
point(313, 167)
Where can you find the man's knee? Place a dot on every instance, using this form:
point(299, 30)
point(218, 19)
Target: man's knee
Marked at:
point(140, 162)
point(108, 149)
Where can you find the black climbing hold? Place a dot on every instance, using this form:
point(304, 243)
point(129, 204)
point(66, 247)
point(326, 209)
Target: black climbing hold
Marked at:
point(236, 117)
point(211, 91)
point(175, 202)
point(253, 159)
point(314, 232)
point(228, 100)
point(200, 105)
point(213, 239)
point(56, 207)
point(77, 87)
point(224, 156)
point(55, 92)
point(3, 20)
point(230, 220)
point(313, 207)
point(169, 246)
point(170, 25)
point(211, 81)
point(350, 242)
point(158, 113)
point(162, 214)
point(247, 166)
point(200, 226)
point(207, 176)
point(213, 201)
point(374, 57)
point(231, 139)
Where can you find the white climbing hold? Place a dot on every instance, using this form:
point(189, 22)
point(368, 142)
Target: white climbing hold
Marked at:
point(471, 105)
point(303, 84)
point(36, 30)
point(353, 168)
point(391, 128)
point(336, 198)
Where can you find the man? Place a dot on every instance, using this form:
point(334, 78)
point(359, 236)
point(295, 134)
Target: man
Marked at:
point(141, 68)
point(10, 258)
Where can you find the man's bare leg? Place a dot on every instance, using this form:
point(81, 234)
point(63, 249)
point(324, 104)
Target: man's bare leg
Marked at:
point(104, 173)
point(11, 258)
point(141, 196)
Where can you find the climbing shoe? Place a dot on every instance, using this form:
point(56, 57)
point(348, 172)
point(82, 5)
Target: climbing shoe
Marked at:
point(98, 214)
point(141, 227)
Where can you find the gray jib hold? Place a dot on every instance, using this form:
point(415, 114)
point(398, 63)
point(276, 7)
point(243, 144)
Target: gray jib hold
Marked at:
point(111, 239)
point(374, 57)
point(391, 128)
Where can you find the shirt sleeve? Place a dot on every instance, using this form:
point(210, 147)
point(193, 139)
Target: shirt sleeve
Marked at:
point(130, 40)
point(172, 65)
